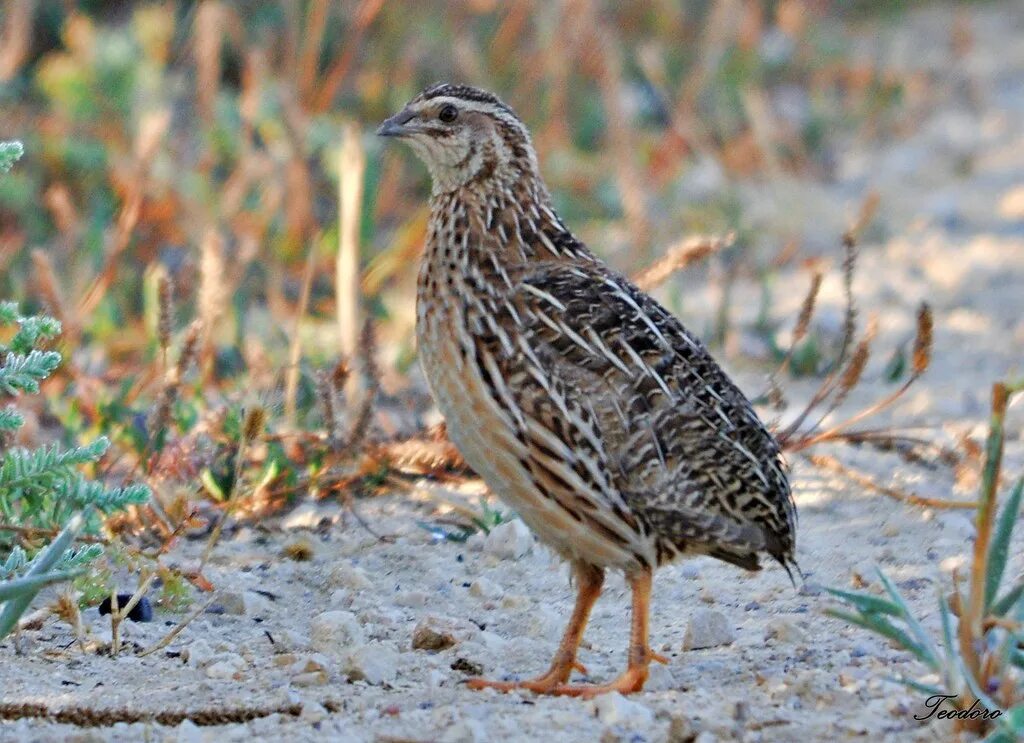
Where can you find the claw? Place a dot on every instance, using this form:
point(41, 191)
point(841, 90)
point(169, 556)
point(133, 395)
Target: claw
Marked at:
point(543, 685)
point(629, 682)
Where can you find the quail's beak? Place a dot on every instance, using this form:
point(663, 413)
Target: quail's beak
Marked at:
point(397, 125)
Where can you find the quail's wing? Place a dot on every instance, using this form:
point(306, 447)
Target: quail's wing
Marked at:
point(621, 407)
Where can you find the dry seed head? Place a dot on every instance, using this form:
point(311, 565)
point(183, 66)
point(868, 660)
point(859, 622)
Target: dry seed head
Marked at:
point(301, 550)
point(679, 258)
point(326, 389)
point(864, 217)
point(189, 347)
point(161, 414)
point(66, 607)
point(340, 374)
point(165, 302)
point(776, 398)
point(49, 286)
point(854, 369)
point(803, 320)
point(923, 339)
point(368, 351)
point(252, 427)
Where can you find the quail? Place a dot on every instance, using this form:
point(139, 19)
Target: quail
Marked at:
point(580, 401)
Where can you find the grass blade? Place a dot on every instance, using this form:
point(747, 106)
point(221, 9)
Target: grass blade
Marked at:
point(885, 628)
point(999, 550)
point(867, 603)
point(908, 617)
point(12, 588)
point(14, 608)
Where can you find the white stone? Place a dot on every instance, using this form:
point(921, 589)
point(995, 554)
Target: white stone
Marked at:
point(435, 632)
point(412, 598)
point(707, 628)
point(289, 641)
point(309, 516)
point(310, 678)
point(189, 732)
point(785, 630)
point(335, 631)
point(465, 731)
point(375, 663)
point(225, 666)
point(242, 603)
point(690, 570)
point(509, 541)
point(313, 712)
point(485, 589)
point(349, 576)
point(198, 653)
point(615, 709)
point(496, 643)
point(659, 678)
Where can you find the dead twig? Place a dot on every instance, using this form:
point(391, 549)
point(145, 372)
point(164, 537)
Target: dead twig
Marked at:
point(830, 463)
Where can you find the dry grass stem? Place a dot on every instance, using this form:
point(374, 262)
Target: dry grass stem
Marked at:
point(252, 428)
point(118, 614)
point(364, 414)
point(50, 289)
point(830, 463)
point(212, 301)
point(291, 384)
point(803, 324)
point(922, 341)
point(165, 318)
point(351, 168)
point(178, 628)
point(326, 391)
point(66, 607)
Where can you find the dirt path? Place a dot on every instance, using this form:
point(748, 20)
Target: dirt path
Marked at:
point(953, 208)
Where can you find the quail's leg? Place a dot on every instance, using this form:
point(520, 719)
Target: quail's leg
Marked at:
point(640, 653)
point(589, 580)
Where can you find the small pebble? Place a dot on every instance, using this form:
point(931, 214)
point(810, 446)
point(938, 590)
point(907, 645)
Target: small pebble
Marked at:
point(435, 632)
point(615, 709)
point(349, 576)
point(785, 630)
point(198, 653)
point(375, 664)
point(225, 666)
point(335, 631)
point(509, 541)
point(707, 628)
point(484, 588)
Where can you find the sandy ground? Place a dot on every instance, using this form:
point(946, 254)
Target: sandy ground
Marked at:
point(953, 233)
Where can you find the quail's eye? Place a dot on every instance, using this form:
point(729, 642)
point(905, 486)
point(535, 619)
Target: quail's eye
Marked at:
point(448, 113)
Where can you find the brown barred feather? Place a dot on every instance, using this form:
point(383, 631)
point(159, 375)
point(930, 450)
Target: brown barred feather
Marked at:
point(580, 400)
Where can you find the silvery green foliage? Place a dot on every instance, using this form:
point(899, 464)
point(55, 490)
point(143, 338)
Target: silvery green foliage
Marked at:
point(10, 153)
point(44, 489)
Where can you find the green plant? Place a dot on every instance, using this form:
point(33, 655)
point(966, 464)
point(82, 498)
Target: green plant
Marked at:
point(10, 153)
point(980, 657)
point(42, 491)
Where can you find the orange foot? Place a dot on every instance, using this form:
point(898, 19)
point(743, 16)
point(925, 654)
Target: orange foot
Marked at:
point(629, 682)
point(545, 684)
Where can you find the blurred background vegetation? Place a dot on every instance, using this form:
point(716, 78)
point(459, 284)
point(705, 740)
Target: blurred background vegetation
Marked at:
point(201, 184)
point(203, 141)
